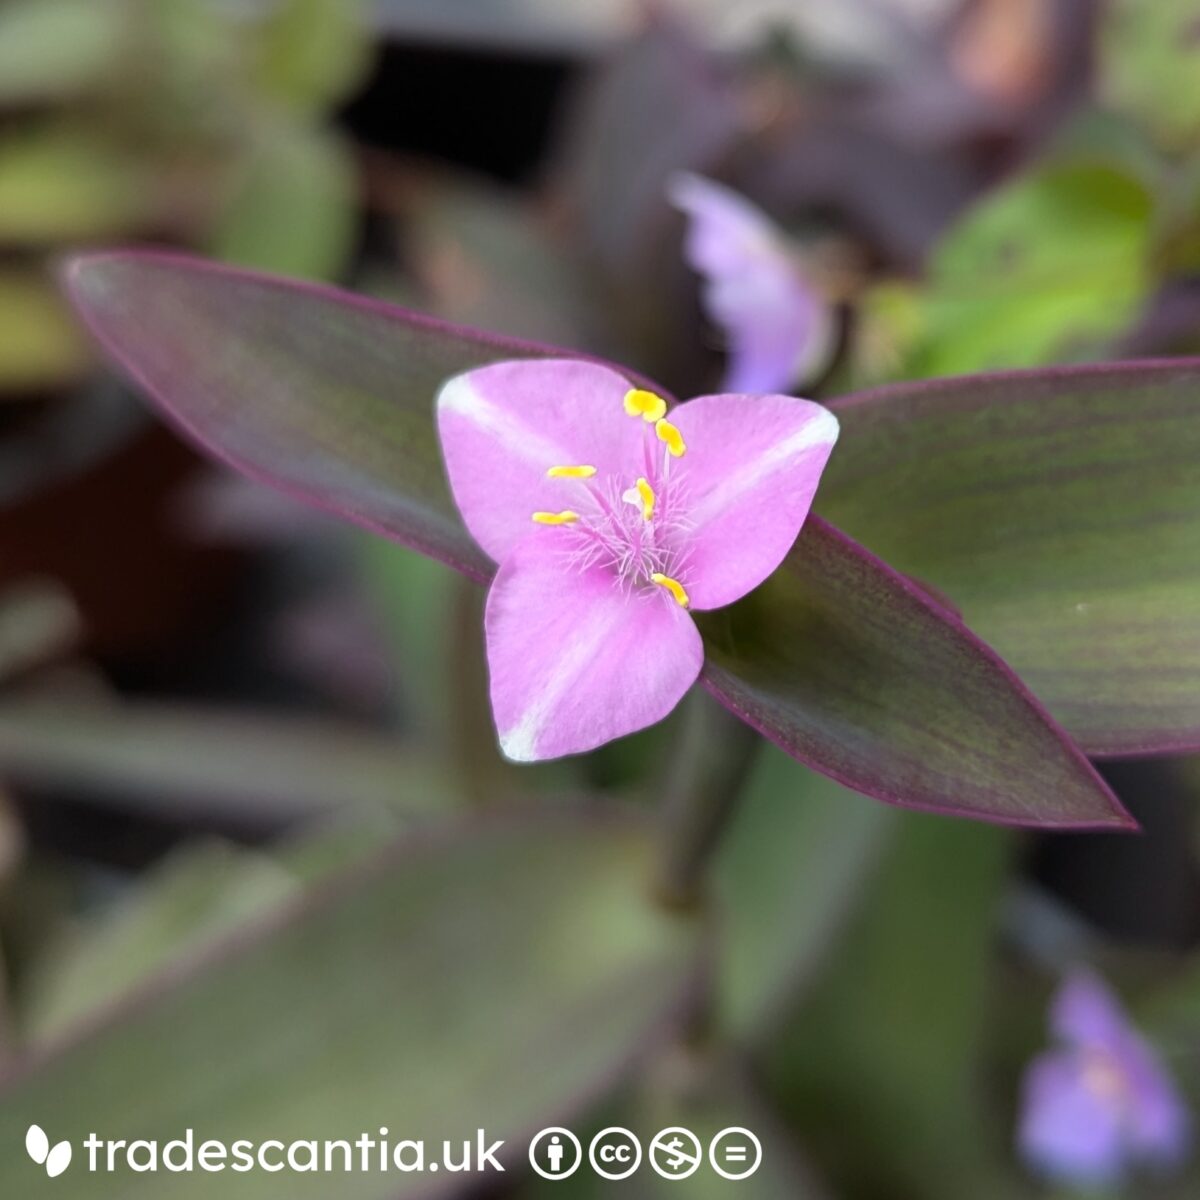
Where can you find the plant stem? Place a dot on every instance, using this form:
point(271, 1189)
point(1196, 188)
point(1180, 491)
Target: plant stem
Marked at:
point(710, 765)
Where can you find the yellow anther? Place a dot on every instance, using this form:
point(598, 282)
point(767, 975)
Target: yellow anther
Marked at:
point(571, 472)
point(673, 586)
point(566, 517)
point(646, 492)
point(644, 404)
point(673, 438)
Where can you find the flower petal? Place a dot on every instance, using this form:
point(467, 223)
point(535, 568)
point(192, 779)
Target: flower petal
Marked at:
point(1068, 1131)
point(779, 329)
point(1159, 1123)
point(779, 337)
point(1086, 1014)
point(504, 426)
point(751, 469)
point(575, 658)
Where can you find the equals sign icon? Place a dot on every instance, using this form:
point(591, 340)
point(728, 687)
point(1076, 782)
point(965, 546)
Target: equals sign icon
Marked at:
point(737, 1153)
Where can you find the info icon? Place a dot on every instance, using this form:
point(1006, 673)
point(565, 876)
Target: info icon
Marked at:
point(675, 1153)
point(735, 1153)
point(555, 1153)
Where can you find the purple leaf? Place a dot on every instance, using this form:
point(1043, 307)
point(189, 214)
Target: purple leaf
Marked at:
point(363, 999)
point(853, 669)
point(1060, 511)
point(325, 395)
point(330, 397)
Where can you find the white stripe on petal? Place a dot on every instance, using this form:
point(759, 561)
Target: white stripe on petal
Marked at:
point(821, 430)
point(522, 440)
point(520, 743)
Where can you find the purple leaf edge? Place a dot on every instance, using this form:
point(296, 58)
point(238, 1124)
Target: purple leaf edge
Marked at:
point(67, 270)
point(891, 391)
point(1123, 822)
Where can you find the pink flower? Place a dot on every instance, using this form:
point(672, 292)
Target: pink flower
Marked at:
point(779, 329)
point(611, 523)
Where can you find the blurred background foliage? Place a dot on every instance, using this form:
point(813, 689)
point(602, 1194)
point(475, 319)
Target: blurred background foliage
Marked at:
point(203, 123)
point(211, 702)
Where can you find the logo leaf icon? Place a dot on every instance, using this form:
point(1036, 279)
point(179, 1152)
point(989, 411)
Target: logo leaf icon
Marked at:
point(59, 1159)
point(37, 1144)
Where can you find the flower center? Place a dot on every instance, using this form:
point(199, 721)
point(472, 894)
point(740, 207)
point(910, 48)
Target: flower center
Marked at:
point(1102, 1076)
point(633, 530)
point(1105, 1077)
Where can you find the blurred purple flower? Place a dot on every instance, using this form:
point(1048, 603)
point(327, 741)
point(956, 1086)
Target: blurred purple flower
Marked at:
point(1101, 1102)
point(609, 522)
point(779, 330)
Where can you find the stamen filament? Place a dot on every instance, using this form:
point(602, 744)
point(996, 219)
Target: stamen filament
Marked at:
point(647, 405)
point(673, 586)
point(566, 517)
point(648, 450)
point(582, 472)
point(671, 436)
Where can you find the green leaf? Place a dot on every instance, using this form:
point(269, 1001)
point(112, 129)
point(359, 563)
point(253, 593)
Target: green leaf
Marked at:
point(290, 205)
point(854, 670)
point(1149, 64)
point(193, 899)
point(60, 184)
point(330, 398)
point(415, 600)
point(188, 902)
point(1051, 266)
point(412, 994)
point(310, 53)
point(791, 871)
point(881, 1062)
point(1177, 248)
point(1060, 511)
point(41, 347)
point(165, 759)
point(52, 49)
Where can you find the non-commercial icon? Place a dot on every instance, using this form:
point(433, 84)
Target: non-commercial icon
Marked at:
point(555, 1153)
point(676, 1153)
point(735, 1153)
